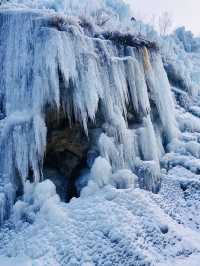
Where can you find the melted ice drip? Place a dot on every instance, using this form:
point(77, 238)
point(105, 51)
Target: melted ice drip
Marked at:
point(39, 54)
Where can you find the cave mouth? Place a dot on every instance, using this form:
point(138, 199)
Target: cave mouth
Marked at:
point(63, 169)
point(66, 156)
point(68, 150)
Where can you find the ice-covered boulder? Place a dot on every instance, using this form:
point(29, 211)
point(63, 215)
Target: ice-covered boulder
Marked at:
point(124, 179)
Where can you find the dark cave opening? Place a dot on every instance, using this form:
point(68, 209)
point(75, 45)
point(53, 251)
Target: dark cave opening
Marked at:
point(63, 169)
point(66, 154)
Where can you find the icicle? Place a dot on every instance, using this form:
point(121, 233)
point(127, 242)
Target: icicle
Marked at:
point(109, 150)
point(2, 207)
point(147, 141)
point(138, 88)
point(149, 175)
point(160, 93)
point(25, 135)
point(101, 172)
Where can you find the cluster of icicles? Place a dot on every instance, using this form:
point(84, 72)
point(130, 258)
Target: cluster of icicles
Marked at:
point(65, 69)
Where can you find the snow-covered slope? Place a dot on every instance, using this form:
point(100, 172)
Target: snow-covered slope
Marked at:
point(108, 226)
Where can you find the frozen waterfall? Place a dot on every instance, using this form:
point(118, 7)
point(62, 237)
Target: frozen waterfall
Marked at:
point(60, 63)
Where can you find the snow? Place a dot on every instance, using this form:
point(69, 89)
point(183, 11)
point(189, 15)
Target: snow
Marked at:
point(18, 261)
point(110, 226)
point(191, 260)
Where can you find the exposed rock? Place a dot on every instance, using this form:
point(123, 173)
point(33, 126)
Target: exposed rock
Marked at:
point(72, 139)
point(129, 40)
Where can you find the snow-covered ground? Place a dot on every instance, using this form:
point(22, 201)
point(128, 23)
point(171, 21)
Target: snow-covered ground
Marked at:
point(108, 227)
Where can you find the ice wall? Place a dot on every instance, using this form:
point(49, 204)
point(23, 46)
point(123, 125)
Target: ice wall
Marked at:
point(48, 60)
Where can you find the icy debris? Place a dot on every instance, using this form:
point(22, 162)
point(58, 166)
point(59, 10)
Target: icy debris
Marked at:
point(188, 122)
point(37, 197)
point(43, 192)
point(195, 110)
point(193, 148)
point(149, 175)
point(101, 172)
point(171, 160)
point(124, 179)
point(90, 189)
point(101, 175)
point(188, 148)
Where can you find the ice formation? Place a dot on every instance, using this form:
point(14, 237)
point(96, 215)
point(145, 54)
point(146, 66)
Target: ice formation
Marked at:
point(50, 60)
point(85, 60)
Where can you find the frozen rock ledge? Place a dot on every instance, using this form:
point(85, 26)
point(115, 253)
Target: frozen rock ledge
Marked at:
point(113, 86)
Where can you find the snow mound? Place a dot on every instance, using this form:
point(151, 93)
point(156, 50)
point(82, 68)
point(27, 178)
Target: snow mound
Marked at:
point(110, 227)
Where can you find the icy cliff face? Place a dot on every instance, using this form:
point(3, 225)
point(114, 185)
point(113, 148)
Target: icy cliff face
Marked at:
point(61, 63)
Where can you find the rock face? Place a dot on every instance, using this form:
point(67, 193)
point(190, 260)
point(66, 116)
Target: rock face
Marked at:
point(72, 140)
